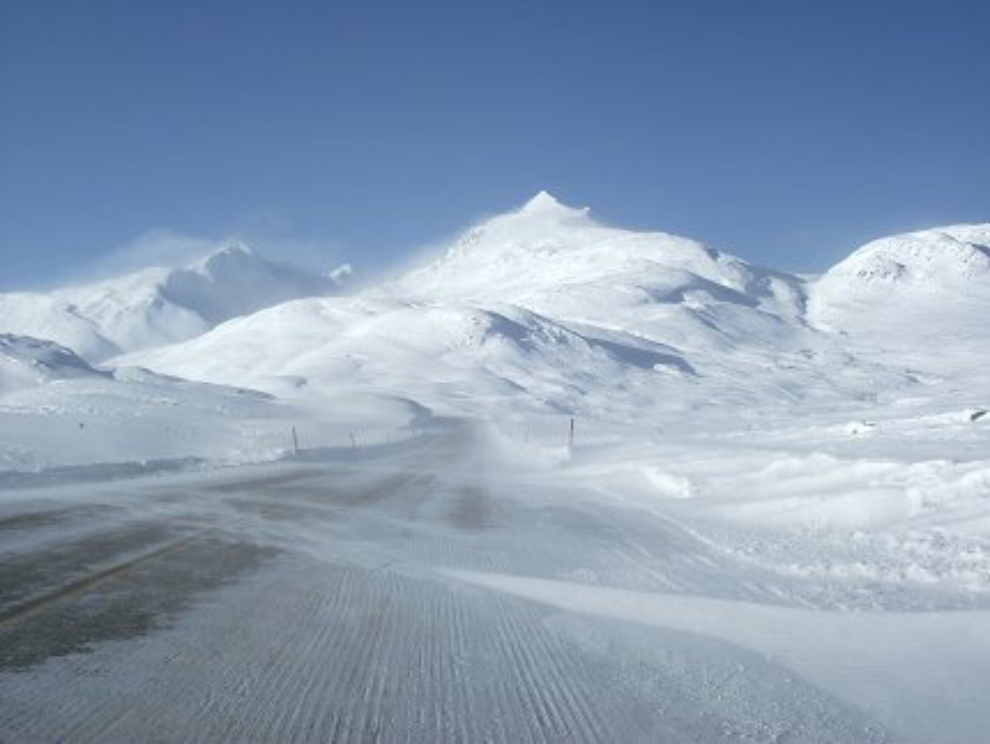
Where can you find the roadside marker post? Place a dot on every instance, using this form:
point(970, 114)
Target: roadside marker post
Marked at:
point(295, 442)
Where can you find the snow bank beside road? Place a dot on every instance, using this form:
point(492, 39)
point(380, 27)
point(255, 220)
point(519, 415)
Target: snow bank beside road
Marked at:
point(921, 674)
point(57, 411)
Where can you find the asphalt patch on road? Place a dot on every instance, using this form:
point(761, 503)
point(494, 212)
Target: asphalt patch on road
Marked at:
point(26, 576)
point(46, 518)
point(141, 595)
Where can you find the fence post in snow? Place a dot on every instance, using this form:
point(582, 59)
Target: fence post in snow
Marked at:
point(570, 437)
point(353, 442)
point(295, 442)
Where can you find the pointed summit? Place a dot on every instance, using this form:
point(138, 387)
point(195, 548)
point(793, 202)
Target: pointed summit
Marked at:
point(545, 203)
point(542, 201)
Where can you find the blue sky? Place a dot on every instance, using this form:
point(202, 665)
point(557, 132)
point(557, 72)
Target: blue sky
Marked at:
point(784, 132)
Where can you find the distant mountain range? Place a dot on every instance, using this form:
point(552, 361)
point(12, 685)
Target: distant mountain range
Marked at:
point(160, 305)
point(542, 307)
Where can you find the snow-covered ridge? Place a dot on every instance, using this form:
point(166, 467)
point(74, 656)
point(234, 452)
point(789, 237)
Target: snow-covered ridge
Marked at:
point(159, 305)
point(905, 289)
point(936, 256)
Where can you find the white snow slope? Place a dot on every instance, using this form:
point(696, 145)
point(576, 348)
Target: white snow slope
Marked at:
point(57, 410)
point(158, 305)
point(929, 284)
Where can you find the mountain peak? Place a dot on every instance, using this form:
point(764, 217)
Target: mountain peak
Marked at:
point(235, 248)
point(543, 200)
point(545, 203)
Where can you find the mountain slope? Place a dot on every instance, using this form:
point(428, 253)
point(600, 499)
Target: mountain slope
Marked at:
point(559, 262)
point(27, 362)
point(158, 305)
point(908, 290)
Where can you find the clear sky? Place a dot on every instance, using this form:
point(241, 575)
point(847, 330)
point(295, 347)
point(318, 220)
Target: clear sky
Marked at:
point(785, 132)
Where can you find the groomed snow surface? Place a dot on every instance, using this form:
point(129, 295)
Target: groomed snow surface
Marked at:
point(773, 522)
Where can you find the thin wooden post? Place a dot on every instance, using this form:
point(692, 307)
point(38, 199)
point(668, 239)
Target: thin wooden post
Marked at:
point(570, 438)
point(295, 442)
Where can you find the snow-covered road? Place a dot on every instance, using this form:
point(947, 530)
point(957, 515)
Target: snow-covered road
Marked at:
point(433, 592)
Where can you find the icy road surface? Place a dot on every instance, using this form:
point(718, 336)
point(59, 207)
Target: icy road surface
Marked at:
point(433, 594)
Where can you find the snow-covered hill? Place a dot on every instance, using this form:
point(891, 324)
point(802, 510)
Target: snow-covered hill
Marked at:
point(27, 362)
point(159, 305)
point(909, 290)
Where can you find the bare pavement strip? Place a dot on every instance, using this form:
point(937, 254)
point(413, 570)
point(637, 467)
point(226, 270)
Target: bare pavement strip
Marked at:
point(397, 599)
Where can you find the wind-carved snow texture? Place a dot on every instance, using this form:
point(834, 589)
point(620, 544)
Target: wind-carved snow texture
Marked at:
point(773, 521)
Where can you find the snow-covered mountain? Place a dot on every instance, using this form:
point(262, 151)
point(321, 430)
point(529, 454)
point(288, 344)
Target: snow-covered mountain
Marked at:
point(542, 306)
point(159, 305)
point(557, 261)
point(546, 308)
point(906, 290)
